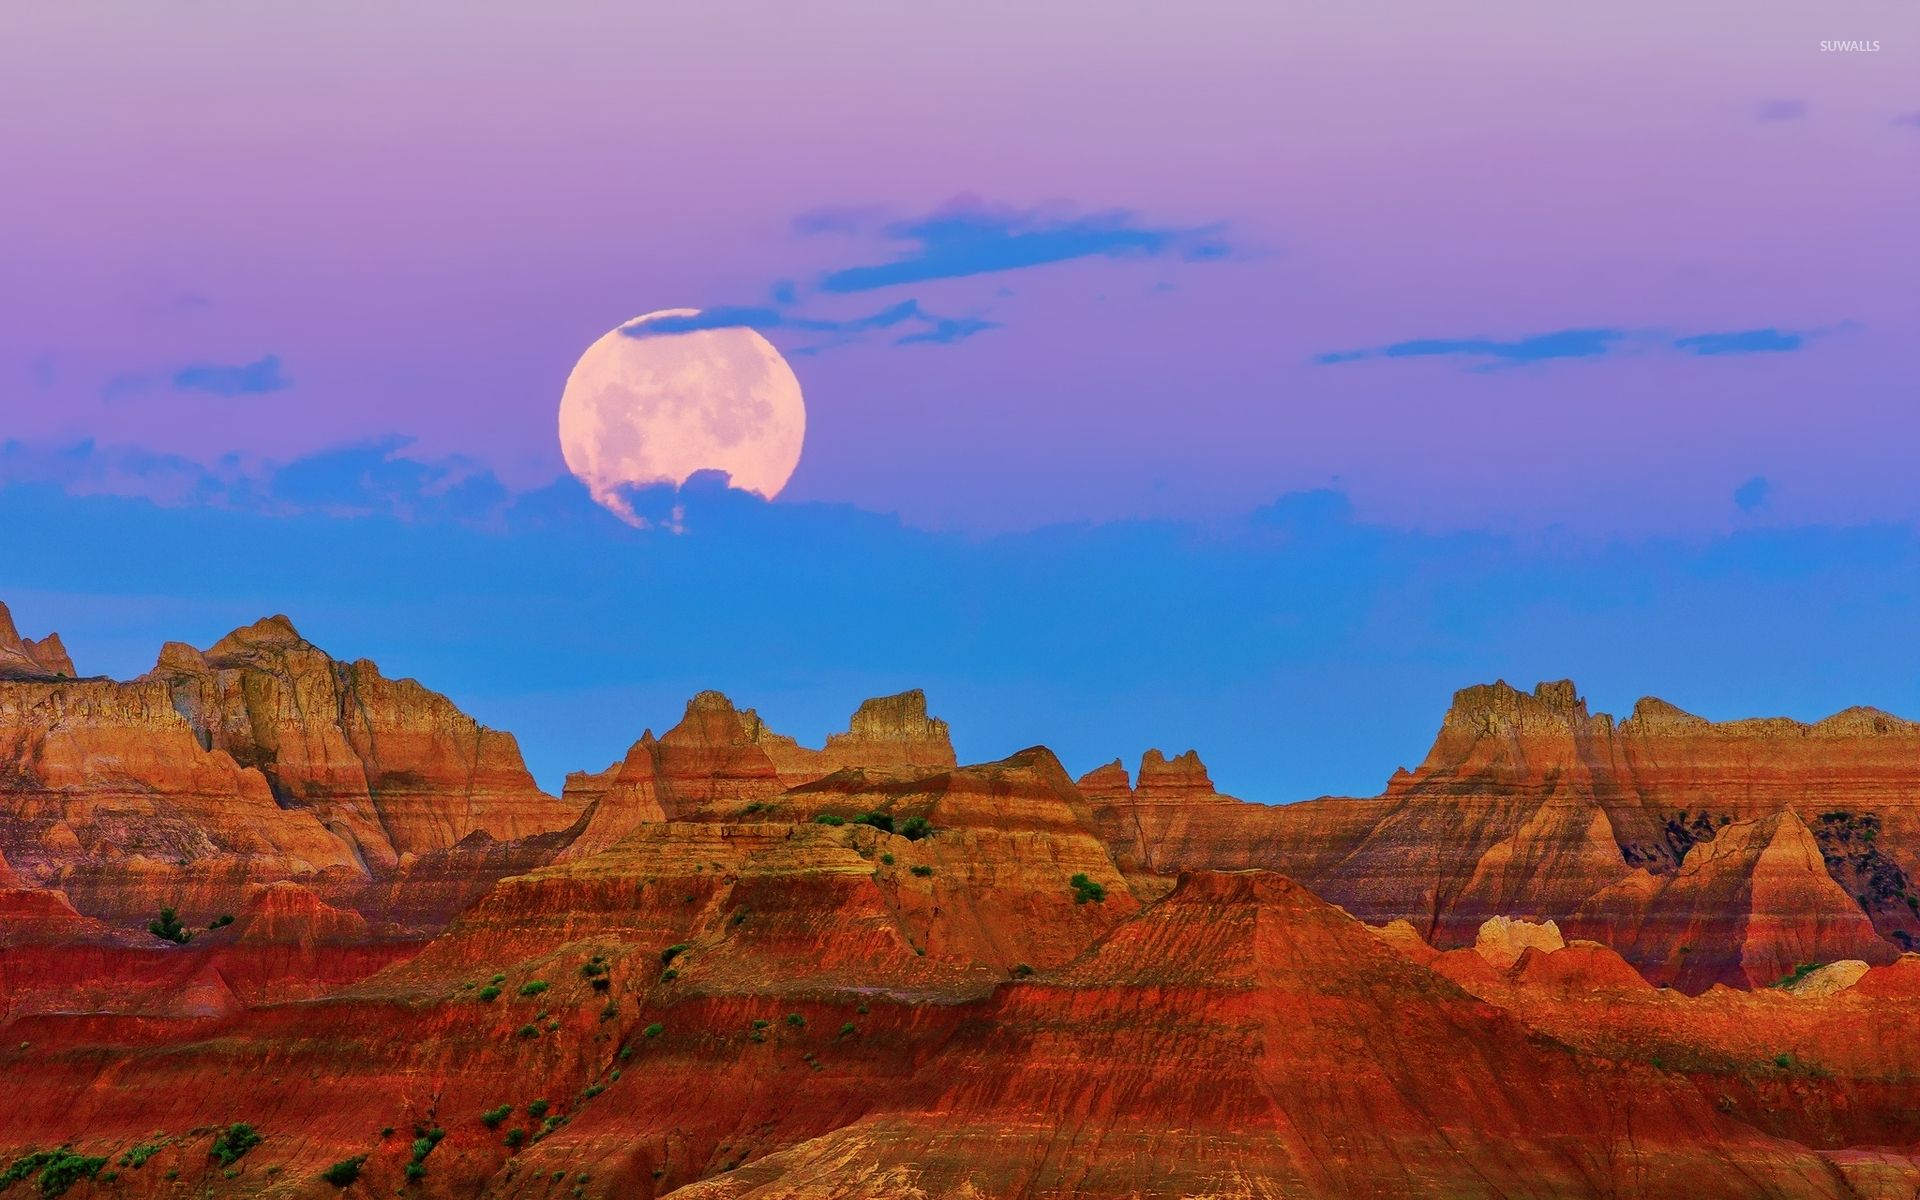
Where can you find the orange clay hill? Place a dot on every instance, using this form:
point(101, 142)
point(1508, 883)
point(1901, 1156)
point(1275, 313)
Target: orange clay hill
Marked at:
point(272, 924)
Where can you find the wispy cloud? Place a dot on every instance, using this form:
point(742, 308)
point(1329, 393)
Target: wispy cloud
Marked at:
point(1781, 110)
point(964, 239)
point(926, 327)
point(256, 378)
point(1752, 495)
point(968, 238)
point(1582, 343)
point(248, 379)
point(1745, 341)
point(1539, 347)
point(1910, 120)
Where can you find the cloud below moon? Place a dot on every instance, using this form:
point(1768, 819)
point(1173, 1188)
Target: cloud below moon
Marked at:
point(639, 411)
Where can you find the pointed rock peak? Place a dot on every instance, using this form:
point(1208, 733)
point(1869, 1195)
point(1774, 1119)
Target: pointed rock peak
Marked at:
point(1652, 713)
point(267, 636)
point(897, 718)
point(1498, 706)
point(1560, 693)
point(711, 701)
point(893, 731)
point(1862, 720)
point(1185, 770)
point(179, 658)
point(26, 659)
point(1110, 777)
point(1502, 939)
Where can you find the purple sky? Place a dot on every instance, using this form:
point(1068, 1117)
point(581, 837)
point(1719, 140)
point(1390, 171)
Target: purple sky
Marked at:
point(426, 212)
point(1242, 376)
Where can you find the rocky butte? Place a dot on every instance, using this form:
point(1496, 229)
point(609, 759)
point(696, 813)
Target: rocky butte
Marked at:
point(273, 924)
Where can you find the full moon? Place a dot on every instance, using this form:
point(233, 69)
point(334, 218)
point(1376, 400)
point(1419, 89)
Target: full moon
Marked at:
point(654, 405)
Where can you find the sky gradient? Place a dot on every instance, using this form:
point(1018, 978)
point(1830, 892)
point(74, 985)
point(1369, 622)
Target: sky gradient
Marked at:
point(1247, 377)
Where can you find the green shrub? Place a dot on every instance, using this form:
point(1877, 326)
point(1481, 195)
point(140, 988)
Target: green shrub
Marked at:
point(537, 1109)
point(488, 993)
point(669, 975)
point(921, 870)
point(533, 987)
point(344, 1172)
point(915, 828)
point(221, 921)
point(887, 859)
point(1022, 970)
point(1797, 974)
point(672, 952)
point(529, 1031)
point(829, 819)
point(137, 1156)
point(589, 970)
point(167, 925)
point(878, 820)
point(233, 1143)
point(1085, 889)
point(416, 1171)
point(592, 1090)
point(654, 1030)
point(849, 1029)
point(515, 1137)
point(611, 1011)
point(66, 1169)
point(796, 1020)
point(494, 1117)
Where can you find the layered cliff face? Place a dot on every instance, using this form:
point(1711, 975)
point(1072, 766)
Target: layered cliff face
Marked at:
point(24, 658)
point(391, 768)
point(719, 760)
point(259, 760)
point(1705, 852)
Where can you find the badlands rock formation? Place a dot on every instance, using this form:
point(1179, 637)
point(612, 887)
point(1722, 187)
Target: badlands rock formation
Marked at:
point(734, 966)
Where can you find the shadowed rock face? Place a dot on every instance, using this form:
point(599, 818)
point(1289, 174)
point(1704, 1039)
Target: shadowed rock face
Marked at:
point(1705, 852)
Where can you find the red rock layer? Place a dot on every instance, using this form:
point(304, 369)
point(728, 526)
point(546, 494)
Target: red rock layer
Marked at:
point(1528, 806)
point(260, 760)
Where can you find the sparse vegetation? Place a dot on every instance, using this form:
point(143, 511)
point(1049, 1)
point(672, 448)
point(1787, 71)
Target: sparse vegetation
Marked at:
point(592, 1090)
point(65, 1168)
point(493, 1118)
point(849, 1029)
point(1085, 889)
point(829, 819)
point(915, 828)
point(672, 952)
point(515, 1137)
point(529, 1031)
point(1022, 970)
point(887, 859)
point(796, 1020)
point(345, 1172)
point(233, 1142)
point(654, 1030)
point(1797, 974)
point(921, 870)
point(137, 1156)
point(877, 820)
point(221, 921)
point(167, 925)
point(533, 987)
point(537, 1109)
point(488, 992)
